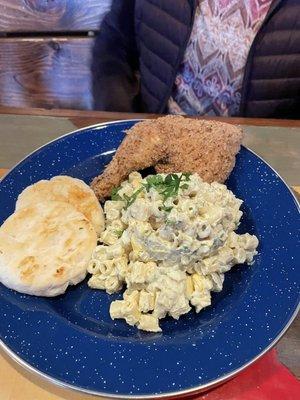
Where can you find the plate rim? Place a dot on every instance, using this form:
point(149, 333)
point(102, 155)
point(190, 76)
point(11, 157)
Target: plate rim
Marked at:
point(194, 390)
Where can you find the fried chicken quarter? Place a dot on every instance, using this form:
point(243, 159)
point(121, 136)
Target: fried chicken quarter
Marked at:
point(173, 144)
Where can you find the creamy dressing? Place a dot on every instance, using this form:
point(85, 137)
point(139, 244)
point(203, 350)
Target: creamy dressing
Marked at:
point(170, 253)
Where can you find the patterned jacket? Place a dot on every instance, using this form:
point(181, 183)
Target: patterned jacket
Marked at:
point(142, 42)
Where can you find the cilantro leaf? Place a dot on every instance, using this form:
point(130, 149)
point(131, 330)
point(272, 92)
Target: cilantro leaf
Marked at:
point(167, 209)
point(187, 175)
point(167, 187)
point(131, 199)
point(184, 186)
point(154, 181)
point(114, 194)
point(119, 232)
point(172, 183)
point(170, 222)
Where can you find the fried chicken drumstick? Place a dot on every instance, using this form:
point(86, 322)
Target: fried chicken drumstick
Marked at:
point(173, 144)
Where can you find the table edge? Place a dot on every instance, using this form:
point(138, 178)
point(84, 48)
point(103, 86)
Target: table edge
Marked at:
point(109, 116)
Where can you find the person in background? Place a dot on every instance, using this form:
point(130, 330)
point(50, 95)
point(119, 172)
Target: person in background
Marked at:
point(199, 57)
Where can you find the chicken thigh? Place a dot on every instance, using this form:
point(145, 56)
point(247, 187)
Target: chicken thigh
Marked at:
point(173, 144)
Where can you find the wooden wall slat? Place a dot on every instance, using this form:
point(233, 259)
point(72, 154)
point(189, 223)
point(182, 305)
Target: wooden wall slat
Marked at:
point(47, 73)
point(51, 16)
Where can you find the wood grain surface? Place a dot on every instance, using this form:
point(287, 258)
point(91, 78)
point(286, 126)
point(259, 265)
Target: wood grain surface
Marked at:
point(45, 72)
point(51, 16)
point(89, 117)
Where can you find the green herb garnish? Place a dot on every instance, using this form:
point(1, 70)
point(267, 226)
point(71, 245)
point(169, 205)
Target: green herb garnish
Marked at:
point(127, 199)
point(154, 181)
point(131, 199)
point(167, 187)
point(184, 186)
point(166, 209)
point(187, 175)
point(119, 232)
point(170, 222)
point(172, 183)
point(114, 193)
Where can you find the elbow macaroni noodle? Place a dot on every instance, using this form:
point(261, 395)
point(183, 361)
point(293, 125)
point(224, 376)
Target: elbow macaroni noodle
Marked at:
point(169, 260)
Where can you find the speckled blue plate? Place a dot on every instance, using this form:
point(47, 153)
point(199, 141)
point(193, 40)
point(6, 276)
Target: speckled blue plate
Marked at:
point(71, 339)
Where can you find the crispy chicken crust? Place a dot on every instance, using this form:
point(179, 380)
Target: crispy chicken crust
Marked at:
point(173, 144)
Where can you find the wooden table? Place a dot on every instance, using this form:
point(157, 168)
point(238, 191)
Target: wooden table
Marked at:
point(45, 49)
point(23, 130)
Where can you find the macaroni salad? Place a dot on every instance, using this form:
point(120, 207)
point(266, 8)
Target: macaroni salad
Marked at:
point(169, 239)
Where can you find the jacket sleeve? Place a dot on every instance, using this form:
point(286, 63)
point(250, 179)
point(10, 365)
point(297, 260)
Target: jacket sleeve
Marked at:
point(115, 60)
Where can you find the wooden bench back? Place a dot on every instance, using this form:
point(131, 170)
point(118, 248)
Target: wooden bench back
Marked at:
point(45, 51)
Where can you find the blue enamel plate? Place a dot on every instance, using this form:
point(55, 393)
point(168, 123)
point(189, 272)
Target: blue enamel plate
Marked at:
point(71, 339)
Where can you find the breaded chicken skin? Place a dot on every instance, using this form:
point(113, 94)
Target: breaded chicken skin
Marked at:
point(142, 147)
point(173, 144)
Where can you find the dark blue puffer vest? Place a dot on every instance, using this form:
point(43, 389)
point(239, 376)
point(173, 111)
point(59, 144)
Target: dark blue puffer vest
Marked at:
point(142, 42)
